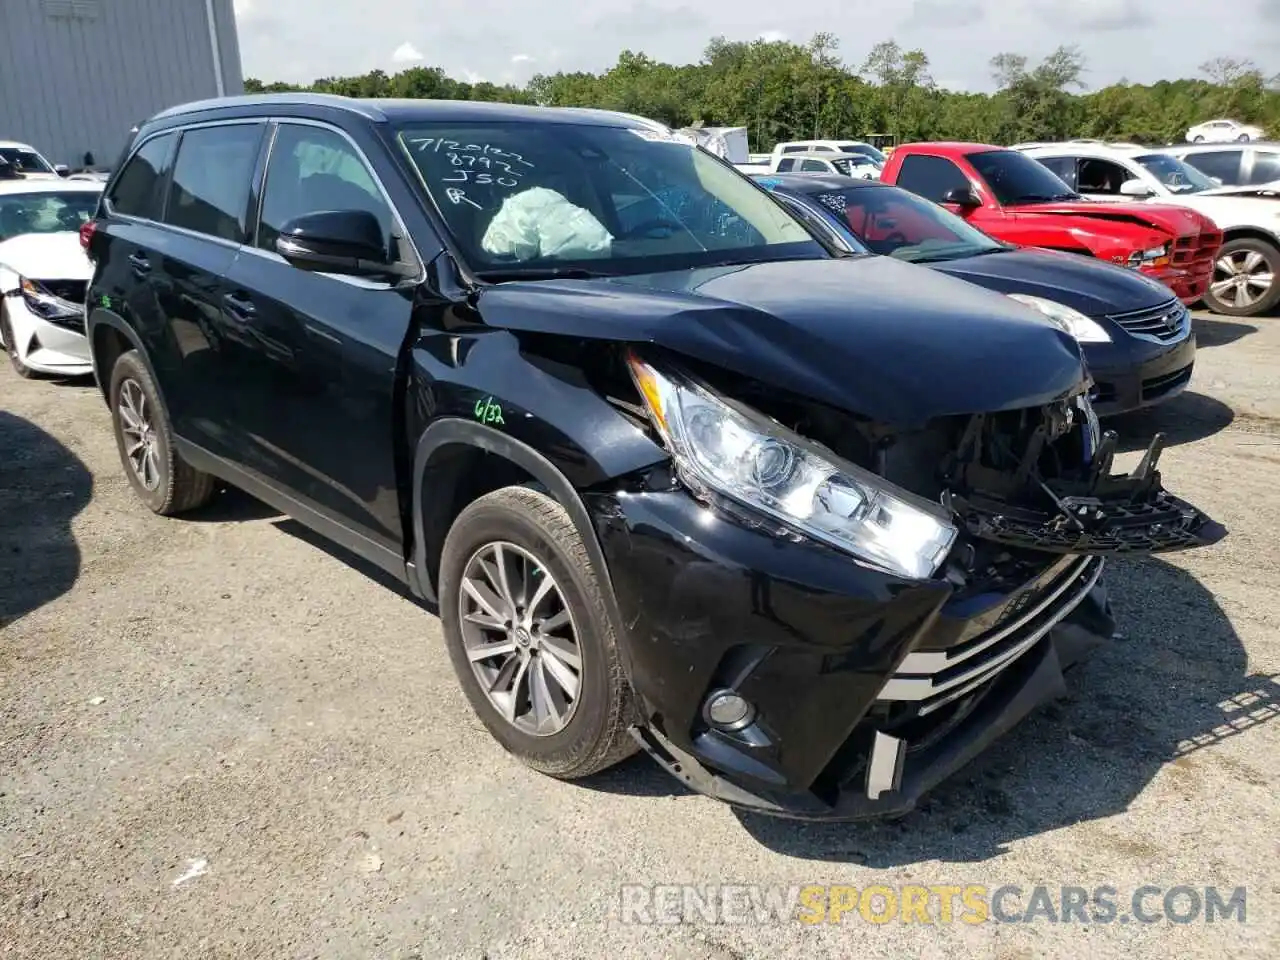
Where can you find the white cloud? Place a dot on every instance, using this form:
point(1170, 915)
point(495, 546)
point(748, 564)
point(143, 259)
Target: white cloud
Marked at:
point(470, 76)
point(522, 58)
point(772, 36)
point(406, 53)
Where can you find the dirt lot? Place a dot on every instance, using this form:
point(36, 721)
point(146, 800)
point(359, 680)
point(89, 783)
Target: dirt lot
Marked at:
point(219, 738)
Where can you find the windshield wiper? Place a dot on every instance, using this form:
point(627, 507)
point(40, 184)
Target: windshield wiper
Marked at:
point(539, 273)
point(1045, 197)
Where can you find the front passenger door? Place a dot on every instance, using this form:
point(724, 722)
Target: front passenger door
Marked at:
point(316, 361)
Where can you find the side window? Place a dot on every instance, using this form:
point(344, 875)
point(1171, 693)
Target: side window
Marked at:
point(1063, 167)
point(785, 165)
point(138, 187)
point(797, 149)
point(1223, 164)
point(313, 169)
point(930, 177)
point(1101, 176)
point(211, 180)
point(1266, 167)
point(814, 166)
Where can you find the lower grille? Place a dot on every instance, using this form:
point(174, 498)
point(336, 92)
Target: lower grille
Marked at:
point(1168, 322)
point(1159, 386)
point(933, 679)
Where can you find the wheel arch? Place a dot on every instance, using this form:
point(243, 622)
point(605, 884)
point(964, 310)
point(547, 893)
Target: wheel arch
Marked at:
point(1250, 233)
point(457, 461)
point(109, 337)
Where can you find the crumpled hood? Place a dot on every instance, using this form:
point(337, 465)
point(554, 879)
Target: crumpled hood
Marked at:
point(46, 256)
point(1177, 221)
point(892, 341)
point(1090, 286)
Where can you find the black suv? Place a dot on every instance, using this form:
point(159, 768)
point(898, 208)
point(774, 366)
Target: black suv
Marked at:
point(809, 527)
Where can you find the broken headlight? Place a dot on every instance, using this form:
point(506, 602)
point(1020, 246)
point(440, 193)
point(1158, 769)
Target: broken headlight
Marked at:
point(1084, 329)
point(46, 305)
point(720, 446)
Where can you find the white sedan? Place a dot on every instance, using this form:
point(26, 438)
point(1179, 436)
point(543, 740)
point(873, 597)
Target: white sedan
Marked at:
point(1219, 131)
point(44, 274)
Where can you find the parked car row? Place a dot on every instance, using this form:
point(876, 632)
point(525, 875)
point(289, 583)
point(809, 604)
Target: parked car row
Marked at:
point(797, 485)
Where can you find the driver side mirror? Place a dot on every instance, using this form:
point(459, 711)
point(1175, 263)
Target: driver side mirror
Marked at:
point(62, 170)
point(335, 241)
point(1135, 188)
point(962, 197)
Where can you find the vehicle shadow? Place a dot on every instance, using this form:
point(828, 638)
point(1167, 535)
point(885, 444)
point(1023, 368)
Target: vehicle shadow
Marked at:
point(353, 560)
point(1217, 331)
point(231, 505)
point(43, 486)
point(1173, 687)
point(1186, 418)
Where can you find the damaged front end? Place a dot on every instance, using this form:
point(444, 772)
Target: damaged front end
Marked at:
point(858, 684)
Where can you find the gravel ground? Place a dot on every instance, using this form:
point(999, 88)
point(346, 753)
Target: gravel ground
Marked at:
point(219, 738)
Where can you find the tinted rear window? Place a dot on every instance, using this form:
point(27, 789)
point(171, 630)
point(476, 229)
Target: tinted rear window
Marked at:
point(211, 179)
point(137, 189)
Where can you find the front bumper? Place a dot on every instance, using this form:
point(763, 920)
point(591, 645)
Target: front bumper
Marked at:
point(1189, 282)
point(1131, 373)
point(57, 348)
point(868, 690)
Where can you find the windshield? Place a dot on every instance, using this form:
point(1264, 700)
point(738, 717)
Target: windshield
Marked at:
point(24, 161)
point(1176, 176)
point(897, 223)
point(45, 212)
point(529, 199)
point(1015, 178)
point(863, 148)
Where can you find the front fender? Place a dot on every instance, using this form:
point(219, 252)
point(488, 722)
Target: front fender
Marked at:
point(479, 392)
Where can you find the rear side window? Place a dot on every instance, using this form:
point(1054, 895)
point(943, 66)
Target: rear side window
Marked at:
point(137, 190)
point(211, 180)
point(1223, 164)
point(1266, 167)
point(812, 166)
point(930, 177)
point(785, 165)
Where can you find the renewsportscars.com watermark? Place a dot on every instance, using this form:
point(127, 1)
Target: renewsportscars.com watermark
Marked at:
point(935, 904)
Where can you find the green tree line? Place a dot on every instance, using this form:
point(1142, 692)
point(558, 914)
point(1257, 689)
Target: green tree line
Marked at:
point(780, 90)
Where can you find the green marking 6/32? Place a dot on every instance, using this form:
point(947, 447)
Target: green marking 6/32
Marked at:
point(106, 301)
point(489, 412)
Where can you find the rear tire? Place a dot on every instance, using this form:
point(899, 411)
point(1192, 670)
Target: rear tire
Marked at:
point(11, 348)
point(1245, 258)
point(166, 483)
point(534, 538)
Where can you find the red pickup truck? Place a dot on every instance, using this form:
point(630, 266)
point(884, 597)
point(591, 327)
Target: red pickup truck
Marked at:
point(1014, 198)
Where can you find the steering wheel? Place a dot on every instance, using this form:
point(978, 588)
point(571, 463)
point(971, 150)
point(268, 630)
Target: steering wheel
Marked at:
point(648, 226)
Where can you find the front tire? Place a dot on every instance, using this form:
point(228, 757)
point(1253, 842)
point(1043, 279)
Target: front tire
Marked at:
point(166, 483)
point(11, 348)
point(1244, 278)
point(530, 635)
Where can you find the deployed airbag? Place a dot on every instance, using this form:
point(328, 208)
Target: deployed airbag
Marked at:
point(539, 223)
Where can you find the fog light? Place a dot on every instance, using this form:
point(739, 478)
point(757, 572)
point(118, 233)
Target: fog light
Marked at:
point(728, 711)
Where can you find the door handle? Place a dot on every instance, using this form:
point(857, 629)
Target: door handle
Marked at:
point(241, 308)
point(140, 264)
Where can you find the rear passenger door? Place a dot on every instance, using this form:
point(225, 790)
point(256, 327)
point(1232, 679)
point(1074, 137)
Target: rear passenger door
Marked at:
point(311, 359)
point(205, 220)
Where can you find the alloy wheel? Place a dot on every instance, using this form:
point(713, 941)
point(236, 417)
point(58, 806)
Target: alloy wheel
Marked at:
point(141, 447)
point(520, 638)
point(1242, 278)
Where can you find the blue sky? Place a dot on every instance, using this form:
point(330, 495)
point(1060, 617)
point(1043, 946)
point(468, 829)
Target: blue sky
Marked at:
point(510, 40)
